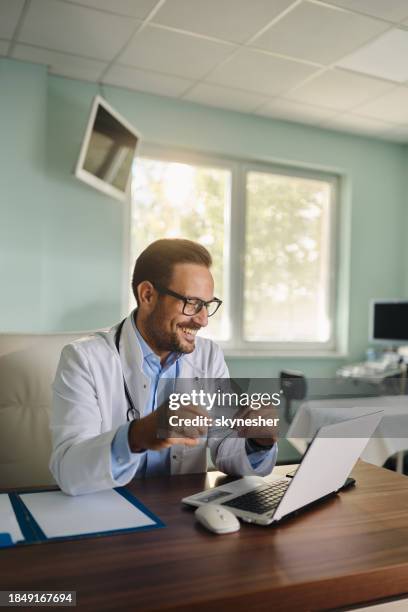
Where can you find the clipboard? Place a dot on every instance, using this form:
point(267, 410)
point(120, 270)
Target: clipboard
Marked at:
point(34, 533)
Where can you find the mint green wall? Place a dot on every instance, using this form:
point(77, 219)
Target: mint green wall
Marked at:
point(62, 242)
point(23, 98)
point(83, 228)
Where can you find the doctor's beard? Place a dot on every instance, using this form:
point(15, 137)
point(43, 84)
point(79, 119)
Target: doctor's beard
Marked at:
point(164, 339)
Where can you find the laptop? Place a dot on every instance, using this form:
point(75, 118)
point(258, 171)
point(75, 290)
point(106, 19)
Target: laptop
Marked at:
point(323, 471)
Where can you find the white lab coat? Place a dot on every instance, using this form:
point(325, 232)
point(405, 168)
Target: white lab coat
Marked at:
point(89, 405)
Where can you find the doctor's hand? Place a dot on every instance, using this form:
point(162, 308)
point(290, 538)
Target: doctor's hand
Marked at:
point(263, 427)
point(164, 427)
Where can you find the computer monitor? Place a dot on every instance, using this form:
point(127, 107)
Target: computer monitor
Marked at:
point(107, 151)
point(389, 321)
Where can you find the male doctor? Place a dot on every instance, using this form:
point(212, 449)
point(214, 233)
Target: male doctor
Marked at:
point(106, 404)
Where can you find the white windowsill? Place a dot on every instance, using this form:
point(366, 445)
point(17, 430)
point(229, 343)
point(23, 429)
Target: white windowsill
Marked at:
point(258, 354)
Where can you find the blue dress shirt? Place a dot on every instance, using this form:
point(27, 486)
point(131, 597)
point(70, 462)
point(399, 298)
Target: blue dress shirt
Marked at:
point(149, 463)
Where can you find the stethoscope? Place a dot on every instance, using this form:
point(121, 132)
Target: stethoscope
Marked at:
point(131, 407)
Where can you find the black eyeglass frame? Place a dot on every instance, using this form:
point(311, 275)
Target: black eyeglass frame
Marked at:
point(198, 303)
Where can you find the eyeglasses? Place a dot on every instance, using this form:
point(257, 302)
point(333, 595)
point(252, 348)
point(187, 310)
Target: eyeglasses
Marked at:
point(192, 305)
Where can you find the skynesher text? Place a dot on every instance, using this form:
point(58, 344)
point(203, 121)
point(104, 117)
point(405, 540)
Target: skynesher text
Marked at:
point(205, 421)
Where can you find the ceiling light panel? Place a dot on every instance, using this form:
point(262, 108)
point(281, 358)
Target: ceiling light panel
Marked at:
point(339, 90)
point(319, 33)
point(392, 10)
point(261, 73)
point(67, 27)
point(10, 11)
point(234, 20)
point(174, 53)
point(142, 80)
point(385, 57)
point(223, 97)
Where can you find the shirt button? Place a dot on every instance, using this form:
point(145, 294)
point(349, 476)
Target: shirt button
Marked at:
point(120, 460)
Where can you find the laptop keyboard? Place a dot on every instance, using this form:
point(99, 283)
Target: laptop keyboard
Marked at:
point(261, 500)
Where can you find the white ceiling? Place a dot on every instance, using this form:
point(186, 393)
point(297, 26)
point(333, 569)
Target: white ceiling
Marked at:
point(338, 64)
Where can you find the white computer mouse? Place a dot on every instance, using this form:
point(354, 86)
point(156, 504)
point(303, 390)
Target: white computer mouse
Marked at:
point(217, 518)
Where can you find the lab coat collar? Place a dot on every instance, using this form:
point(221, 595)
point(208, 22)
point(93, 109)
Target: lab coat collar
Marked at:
point(131, 356)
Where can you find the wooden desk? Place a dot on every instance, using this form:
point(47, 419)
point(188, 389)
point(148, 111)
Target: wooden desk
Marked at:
point(350, 549)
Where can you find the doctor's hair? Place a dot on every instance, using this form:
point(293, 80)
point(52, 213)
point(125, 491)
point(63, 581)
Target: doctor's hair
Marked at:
point(156, 262)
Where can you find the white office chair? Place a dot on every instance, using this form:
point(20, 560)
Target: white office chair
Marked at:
point(27, 368)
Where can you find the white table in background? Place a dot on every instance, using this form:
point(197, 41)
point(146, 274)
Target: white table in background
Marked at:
point(311, 415)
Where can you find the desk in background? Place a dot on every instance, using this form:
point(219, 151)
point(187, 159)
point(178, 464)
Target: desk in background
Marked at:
point(351, 549)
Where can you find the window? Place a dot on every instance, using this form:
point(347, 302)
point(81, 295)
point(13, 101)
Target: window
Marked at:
point(272, 235)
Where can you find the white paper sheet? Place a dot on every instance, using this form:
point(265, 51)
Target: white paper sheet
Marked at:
point(61, 515)
point(8, 521)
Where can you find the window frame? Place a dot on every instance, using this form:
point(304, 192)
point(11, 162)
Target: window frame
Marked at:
point(235, 233)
